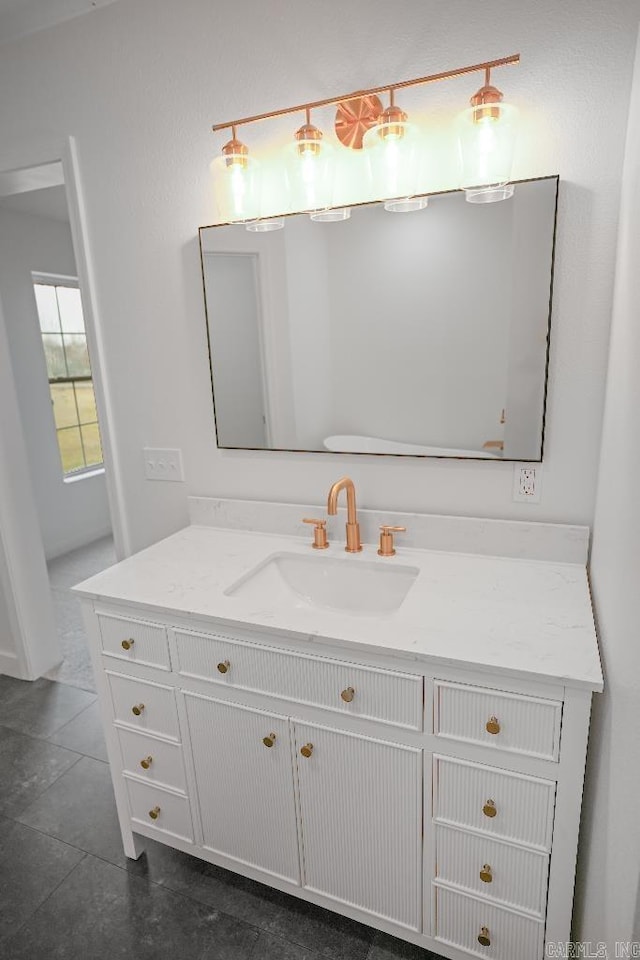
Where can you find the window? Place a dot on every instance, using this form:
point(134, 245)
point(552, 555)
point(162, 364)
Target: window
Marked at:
point(65, 349)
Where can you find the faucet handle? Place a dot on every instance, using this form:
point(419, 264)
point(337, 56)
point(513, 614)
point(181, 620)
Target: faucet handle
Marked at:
point(386, 548)
point(320, 541)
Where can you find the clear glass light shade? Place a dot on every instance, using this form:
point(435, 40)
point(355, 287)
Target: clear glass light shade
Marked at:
point(235, 187)
point(486, 148)
point(311, 174)
point(395, 153)
point(332, 215)
point(406, 204)
point(266, 225)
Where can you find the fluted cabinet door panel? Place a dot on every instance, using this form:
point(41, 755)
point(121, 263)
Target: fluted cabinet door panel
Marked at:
point(361, 811)
point(522, 724)
point(384, 695)
point(460, 921)
point(245, 789)
point(146, 642)
point(466, 794)
point(489, 868)
point(154, 705)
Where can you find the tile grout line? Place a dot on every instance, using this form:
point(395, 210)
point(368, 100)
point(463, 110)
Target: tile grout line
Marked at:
point(49, 895)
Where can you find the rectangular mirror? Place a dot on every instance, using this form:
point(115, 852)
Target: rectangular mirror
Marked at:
point(413, 334)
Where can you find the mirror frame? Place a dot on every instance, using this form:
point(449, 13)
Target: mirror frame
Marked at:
point(410, 456)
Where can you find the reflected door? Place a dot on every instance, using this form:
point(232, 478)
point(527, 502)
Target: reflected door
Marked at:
point(232, 297)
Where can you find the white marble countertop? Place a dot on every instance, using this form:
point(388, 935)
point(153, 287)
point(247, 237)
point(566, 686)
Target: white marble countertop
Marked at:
point(531, 619)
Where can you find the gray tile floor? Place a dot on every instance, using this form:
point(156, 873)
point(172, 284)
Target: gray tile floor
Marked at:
point(64, 573)
point(67, 892)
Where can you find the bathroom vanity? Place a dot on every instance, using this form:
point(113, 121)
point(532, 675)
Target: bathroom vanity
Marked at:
point(408, 752)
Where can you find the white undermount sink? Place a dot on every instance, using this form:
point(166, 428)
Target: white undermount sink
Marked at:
point(349, 584)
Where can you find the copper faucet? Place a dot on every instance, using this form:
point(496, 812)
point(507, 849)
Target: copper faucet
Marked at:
point(353, 527)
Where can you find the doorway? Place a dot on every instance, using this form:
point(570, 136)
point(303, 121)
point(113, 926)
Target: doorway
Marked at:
point(53, 354)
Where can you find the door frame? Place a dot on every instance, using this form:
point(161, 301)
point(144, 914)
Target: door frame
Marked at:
point(64, 151)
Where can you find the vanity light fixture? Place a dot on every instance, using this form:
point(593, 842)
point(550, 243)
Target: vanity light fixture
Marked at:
point(394, 153)
point(310, 171)
point(394, 147)
point(486, 139)
point(234, 179)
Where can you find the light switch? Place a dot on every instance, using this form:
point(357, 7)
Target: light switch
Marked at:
point(163, 464)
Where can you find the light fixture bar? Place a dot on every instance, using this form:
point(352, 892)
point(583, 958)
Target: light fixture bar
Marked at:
point(385, 88)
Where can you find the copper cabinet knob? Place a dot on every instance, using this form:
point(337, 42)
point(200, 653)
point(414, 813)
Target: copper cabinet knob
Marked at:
point(492, 725)
point(224, 666)
point(348, 694)
point(146, 763)
point(485, 874)
point(307, 750)
point(155, 813)
point(137, 710)
point(483, 937)
point(270, 740)
point(489, 808)
point(127, 644)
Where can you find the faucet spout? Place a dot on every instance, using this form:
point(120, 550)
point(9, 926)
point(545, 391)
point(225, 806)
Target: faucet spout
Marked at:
point(353, 527)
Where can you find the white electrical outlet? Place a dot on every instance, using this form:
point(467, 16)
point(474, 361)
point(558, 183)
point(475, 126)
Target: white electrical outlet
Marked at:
point(162, 464)
point(527, 482)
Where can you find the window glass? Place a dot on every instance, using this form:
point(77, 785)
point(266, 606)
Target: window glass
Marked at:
point(69, 371)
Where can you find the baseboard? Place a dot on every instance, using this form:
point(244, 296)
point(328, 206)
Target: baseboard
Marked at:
point(75, 543)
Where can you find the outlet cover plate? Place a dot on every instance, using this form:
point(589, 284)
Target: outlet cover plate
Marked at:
point(527, 482)
point(162, 464)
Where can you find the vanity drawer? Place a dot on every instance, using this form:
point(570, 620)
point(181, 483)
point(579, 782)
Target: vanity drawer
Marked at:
point(460, 920)
point(171, 813)
point(144, 642)
point(155, 702)
point(508, 805)
point(387, 696)
point(511, 875)
point(162, 760)
point(505, 721)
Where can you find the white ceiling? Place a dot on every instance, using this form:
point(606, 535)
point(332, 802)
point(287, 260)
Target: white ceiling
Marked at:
point(50, 202)
point(21, 17)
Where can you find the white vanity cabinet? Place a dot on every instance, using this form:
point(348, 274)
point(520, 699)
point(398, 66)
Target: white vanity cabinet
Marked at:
point(434, 803)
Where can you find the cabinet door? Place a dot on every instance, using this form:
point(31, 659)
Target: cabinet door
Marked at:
point(244, 785)
point(361, 807)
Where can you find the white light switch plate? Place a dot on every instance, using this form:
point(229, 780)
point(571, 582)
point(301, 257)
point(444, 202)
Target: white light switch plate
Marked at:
point(162, 464)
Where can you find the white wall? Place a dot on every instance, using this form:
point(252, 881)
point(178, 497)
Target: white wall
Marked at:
point(141, 118)
point(29, 644)
point(70, 514)
point(609, 874)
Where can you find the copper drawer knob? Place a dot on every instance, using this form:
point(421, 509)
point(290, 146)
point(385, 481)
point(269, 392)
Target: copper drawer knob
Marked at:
point(155, 813)
point(485, 874)
point(307, 750)
point(224, 666)
point(146, 763)
point(492, 725)
point(270, 740)
point(127, 644)
point(348, 694)
point(489, 808)
point(483, 937)
point(137, 710)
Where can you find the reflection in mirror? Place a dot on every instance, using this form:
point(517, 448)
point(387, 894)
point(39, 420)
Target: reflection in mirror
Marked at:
point(422, 334)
